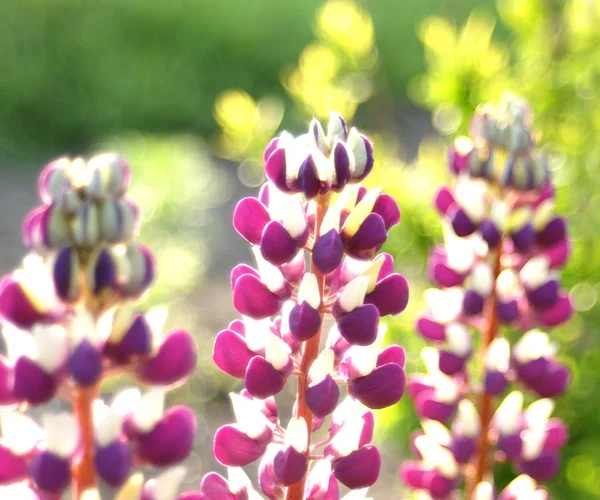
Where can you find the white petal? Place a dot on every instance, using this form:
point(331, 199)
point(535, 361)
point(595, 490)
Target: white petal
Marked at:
point(322, 366)
point(296, 434)
point(360, 212)
point(538, 413)
point(507, 285)
point(518, 218)
point(482, 278)
point(348, 437)
point(522, 486)
point(91, 495)
point(309, 291)
point(156, 319)
point(19, 432)
point(36, 280)
point(269, 274)
point(149, 410)
point(460, 252)
point(108, 430)
point(458, 339)
point(536, 272)
point(52, 346)
point(126, 401)
point(357, 495)
point(468, 418)
point(294, 220)
point(446, 388)
point(435, 455)
point(445, 305)
point(335, 127)
point(248, 415)
point(256, 332)
point(471, 195)
point(431, 358)
point(437, 431)
point(484, 491)
point(353, 294)
point(498, 355)
point(18, 343)
point(543, 214)
point(499, 214)
point(533, 442)
point(132, 489)
point(62, 433)
point(506, 416)
point(317, 135)
point(166, 485)
point(82, 327)
point(330, 221)
point(277, 352)
point(531, 346)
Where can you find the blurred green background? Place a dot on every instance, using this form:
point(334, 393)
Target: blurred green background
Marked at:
point(190, 91)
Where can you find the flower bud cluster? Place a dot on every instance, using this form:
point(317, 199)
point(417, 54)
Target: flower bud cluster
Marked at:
point(497, 278)
point(312, 211)
point(69, 322)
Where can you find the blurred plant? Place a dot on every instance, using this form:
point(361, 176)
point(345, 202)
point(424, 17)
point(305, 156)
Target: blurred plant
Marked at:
point(69, 323)
point(284, 309)
point(334, 72)
point(497, 274)
point(554, 61)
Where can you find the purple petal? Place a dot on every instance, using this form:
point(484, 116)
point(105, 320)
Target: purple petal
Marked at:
point(233, 448)
point(231, 353)
point(507, 311)
point(308, 178)
point(417, 384)
point(262, 380)
point(272, 146)
point(390, 295)
point(13, 467)
point(439, 271)
point(136, 341)
point(542, 468)
point(461, 223)
point(463, 448)
point(15, 306)
point(239, 271)
point(275, 169)
point(322, 397)
point(65, 274)
point(450, 363)
point(554, 232)
point(105, 271)
point(250, 217)
point(553, 382)
point(523, 238)
point(360, 469)
point(171, 440)
point(294, 270)
point(495, 383)
point(305, 321)
point(32, 384)
point(392, 354)
point(383, 387)
point(215, 487)
point(341, 164)
point(490, 233)
point(6, 383)
point(531, 370)
point(359, 327)
point(321, 490)
point(444, 200)
point(511, 445)
point(268, 482)
point(368, 239)
point(412, 474)
point(558, 253)
point(175, 360)
point(251, 297)
point(276, 245)
point(113, 462)
point(50, 473)
point(290, 466)
point(31, 227)
point(560, 312)
point(438, 485)
point(473, 303)
point(428, 407)
point(387, 207)
point(85, 364)
point(457, 161)
point(431, 330)
point(328, 251)
point(544, 296)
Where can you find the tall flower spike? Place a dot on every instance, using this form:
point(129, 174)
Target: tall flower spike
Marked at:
point(68, 322)
point(497, 271)
point(311, 209)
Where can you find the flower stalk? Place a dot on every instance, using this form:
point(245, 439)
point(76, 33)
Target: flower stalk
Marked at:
point(497, 279)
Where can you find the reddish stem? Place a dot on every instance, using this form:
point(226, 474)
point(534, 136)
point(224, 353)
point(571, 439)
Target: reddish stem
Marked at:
point(482, 461)
point(310, 353)
point(84, 470)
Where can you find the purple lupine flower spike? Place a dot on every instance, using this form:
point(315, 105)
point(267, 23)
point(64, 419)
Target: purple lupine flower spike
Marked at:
point(311, 205)
point(497, 272)
point(68, 320)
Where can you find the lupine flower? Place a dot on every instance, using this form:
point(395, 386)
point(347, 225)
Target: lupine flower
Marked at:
point(69, 321)
point(497, 273)
point(315, 234)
